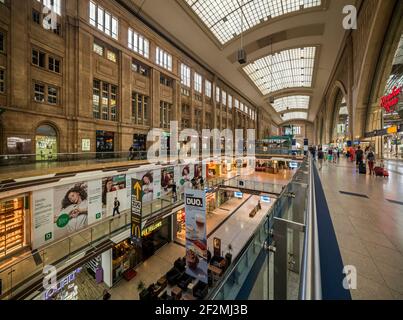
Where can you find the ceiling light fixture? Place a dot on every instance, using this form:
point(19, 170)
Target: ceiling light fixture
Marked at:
point(241, 52)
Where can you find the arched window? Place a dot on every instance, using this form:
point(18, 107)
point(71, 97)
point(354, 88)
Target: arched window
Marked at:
point(46, 143)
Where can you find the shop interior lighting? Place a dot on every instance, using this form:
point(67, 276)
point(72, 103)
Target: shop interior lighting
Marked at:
point(222, 16)
point(291, 103)
point(291, 68)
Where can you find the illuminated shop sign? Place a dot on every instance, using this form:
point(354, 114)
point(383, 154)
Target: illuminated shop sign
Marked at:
point(389, 101)
point(61, 284)
point(293, 165)
point(147, 231)
point(238, 195)
point(265, 199)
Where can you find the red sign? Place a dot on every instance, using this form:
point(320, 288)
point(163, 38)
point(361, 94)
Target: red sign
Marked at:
point(391, 100)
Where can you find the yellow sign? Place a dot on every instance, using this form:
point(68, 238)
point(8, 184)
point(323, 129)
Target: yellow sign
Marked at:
point(145, 232)
point(392, 129)
point(137, 188)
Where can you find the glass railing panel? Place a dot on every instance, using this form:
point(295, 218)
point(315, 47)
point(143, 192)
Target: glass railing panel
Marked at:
point(26, 269)
point(80, 240)
point(56, 252)
point(100, 231)
point(5, 276)
point(119, 223)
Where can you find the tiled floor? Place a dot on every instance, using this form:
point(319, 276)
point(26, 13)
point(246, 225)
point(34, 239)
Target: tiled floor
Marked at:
point(369, 230)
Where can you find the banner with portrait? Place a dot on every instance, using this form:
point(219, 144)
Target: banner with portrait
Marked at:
point(114, 188)
point(196, 235)
point(63, 210)
point(147, 185)
point(167, 181)
point(185, 177)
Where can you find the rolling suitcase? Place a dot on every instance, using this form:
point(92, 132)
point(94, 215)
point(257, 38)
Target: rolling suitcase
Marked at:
point(379, 172)
point(362, 169)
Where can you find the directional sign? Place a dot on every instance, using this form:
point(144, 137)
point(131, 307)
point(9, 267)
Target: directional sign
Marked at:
point(136, 209)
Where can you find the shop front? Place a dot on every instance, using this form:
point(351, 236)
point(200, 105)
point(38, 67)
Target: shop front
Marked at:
point(213, 170)
point(46, 143)
point(105, 141)
point(125, 257)
point(155, 236)
point(14, 214)
point(140, 142)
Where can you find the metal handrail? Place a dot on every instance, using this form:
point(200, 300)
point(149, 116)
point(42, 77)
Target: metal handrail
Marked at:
point(311, 283)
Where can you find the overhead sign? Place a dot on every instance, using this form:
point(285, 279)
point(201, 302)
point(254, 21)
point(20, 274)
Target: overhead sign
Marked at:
point(150, 229)
point(136, 209)
point(389, 101)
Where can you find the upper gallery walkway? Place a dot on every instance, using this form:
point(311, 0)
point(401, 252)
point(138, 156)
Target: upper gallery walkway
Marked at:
point(367, 214)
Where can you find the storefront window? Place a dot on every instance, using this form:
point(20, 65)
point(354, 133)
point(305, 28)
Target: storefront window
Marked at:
point(105, 141)
point(154, 240)
point(12, 224)
point(46, 143)
point(125, 257)
point(139, 142)
point(19, 145)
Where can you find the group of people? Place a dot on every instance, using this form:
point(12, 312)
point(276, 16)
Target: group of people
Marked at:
point(331, 155)
point(356, 154)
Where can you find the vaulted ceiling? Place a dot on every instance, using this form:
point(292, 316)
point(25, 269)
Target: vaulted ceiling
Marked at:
point(292, 45)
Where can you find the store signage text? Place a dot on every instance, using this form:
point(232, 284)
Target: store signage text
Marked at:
point(391, 100)
point(151, 229)
point(192, 201)
point(61, 284)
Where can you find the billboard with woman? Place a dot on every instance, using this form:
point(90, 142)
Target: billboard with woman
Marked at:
point(71, 208)
point(167, 180)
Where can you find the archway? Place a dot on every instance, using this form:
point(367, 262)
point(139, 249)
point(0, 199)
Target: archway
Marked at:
point(46, 143)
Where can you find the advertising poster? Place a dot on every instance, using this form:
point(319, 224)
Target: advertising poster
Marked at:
point(167, 181)
point(94, 201)
point(70, 208)
point(42, 219)
point(186, 175)
point(157, 184)
point(147, 183)
point(114, 187)
point(136, 210)
point(196, 235)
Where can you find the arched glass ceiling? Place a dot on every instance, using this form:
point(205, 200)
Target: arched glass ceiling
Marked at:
point(291, 68)
point(291, 102)
point(223, 17)
point(294, 115)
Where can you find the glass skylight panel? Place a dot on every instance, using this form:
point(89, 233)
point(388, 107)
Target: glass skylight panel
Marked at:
point(291, 68)
point(295, 115)
point(223, 17)
point(291, 102)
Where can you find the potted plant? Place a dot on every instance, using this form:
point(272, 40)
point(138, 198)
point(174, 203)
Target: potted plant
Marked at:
point(228, 255)
point(143, 292)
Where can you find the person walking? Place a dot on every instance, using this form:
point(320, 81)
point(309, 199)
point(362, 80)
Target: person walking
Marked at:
point(131, 153)
point(116, 206)
point(335, 156)
point(320, 158)
point(371, 161)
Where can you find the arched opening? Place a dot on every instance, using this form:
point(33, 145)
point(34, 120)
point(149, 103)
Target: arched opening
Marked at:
point(341, 122)
point(46, 145)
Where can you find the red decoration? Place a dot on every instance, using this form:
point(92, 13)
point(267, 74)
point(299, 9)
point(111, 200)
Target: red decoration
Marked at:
point(391, 100)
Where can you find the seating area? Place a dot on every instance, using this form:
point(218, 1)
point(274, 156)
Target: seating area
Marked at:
point(176, 284)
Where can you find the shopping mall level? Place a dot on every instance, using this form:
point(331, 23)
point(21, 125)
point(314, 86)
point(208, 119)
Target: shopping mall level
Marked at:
point(201, 150)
